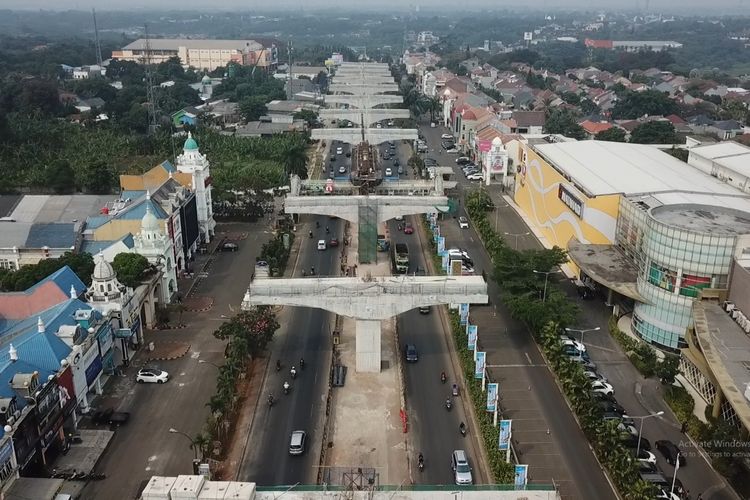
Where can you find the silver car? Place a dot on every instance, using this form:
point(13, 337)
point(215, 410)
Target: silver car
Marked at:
point(297, 443)
point(461, 468)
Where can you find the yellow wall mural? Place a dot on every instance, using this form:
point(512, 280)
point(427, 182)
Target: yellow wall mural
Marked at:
point(558, 209)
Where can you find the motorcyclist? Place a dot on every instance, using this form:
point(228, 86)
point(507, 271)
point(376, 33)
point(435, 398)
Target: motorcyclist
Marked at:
point(448, 403)
point(421, 460)
point(293, 372)
point(317, 224)
point(301, 362)
point(312, 270)
point(278, 364)
point(311, 234)
point(462, 428)
point(443, 378)
point(270, 398)
point(327, 230)
point(286, 387)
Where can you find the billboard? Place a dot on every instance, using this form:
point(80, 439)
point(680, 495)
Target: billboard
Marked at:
point(505, 433)
point(441, 245)
point(445, 262)
point(473, 333)
point(485, 145)
point(492, 392)
point(522, 474)
point(189, 223)
point(528, 35)
point(479, 367)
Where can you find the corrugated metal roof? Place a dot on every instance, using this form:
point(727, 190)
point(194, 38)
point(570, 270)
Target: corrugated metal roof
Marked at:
point(176, 43)
point(63, 278)
point(52, 235)
point(601, 168)
point(94, 247)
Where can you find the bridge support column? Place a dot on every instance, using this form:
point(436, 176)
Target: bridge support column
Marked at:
point(368, 345)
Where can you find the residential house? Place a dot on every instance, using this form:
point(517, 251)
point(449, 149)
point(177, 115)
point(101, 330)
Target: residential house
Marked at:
point(186, 116)
point(89, 105)
point(222, 112)
point(545, 99)
point(593, 128)
point(725, 129)
point(284, 111)
point(680, 125)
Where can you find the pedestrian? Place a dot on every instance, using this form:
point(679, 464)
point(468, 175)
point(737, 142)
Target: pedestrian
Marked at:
point(683, 427)
point(700, 496)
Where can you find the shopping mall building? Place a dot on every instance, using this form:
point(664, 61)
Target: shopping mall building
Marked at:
point(658, 238)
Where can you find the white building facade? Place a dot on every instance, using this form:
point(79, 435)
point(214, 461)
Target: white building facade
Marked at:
point(191, 161)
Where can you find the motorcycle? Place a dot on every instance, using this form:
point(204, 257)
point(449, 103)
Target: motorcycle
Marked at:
point(301, 363)
point(448, 404)
point(293, 373)
point(421, 463)
point(286, 387)
point(443, 378)
point(278, 365)
point(270, 400)
point(311, 235)
point(462, 428)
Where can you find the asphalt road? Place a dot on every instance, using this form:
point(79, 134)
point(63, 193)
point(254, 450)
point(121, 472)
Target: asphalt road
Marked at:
point(145, 447)
point(305, 333)
point(517, 348)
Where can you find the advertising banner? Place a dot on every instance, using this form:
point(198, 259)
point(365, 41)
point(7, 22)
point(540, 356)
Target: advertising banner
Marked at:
point(522, 472)
point(445, 262)
point(436, 233)
point(492, 390)
point(441, 245)
point(472, 332)
point(485, 145)
point(479, 368)
point(463, 312)
point(505, 431)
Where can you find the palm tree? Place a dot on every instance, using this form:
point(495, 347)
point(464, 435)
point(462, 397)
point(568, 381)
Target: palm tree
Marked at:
point(201, 442)
point(294, 158)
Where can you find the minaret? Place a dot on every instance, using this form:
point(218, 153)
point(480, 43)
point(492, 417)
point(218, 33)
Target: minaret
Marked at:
point(191, 161)
point(73, 293)
point(40, 328)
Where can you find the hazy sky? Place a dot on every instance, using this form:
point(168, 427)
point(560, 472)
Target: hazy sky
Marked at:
point(715, 6)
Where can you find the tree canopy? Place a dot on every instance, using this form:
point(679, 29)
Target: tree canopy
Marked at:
point(614, 134)
point(563, 121)
point(656, 132)
point(130, 268)
point(632, 105)
point(27, 276)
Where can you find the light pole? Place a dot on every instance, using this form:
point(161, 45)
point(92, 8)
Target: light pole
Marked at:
point(640, 430)
point(516, 235)
point(204, 362)
point(172, 430)
point(674, 478)
point(546, 278)
point(582, 331)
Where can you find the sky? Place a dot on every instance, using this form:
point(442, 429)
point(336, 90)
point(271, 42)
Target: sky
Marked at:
point(715, 6)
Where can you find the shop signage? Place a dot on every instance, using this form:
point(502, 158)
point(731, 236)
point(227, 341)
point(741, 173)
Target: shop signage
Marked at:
point(570, 200)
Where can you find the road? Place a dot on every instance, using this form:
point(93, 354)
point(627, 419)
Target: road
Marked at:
point(548, 436)
point(145, 447)
point(305, 333)
point(425, 394)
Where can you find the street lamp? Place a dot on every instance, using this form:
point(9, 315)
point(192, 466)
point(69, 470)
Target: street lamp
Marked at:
point(203, 361)
point(582, 331)
point(674, 478)
point(516, 235)
point(172, 430)
point(640, 430)
point(546, 278)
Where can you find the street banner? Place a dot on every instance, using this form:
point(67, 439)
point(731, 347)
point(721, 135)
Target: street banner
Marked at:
point(441, 245)
point(505, 431)
point(445, 262)
point(436, 233)
point(464, 313)
point(479, 356)
point(492, 389)
point(522, 472)
point(472, 332)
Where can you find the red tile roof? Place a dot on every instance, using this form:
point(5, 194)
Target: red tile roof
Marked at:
point(21, 305)
point(594, 128)
point(676, 120)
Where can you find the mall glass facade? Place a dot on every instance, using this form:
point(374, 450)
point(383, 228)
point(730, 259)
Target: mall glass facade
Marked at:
point(674, 265)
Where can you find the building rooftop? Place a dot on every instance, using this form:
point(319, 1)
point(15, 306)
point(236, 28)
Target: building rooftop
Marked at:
point(601, 168)
point(176, 43)
point(717, 220)
point(729, 154)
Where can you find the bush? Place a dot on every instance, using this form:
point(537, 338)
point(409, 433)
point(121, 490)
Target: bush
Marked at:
point(276, 254)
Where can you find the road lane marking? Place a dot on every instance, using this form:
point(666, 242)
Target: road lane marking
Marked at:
point(527, 357)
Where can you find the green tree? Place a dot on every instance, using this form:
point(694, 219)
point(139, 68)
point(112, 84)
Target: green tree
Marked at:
point(130, 268)
point(632, 105)
point(294, 159)
point(98, 177)
point(656, 132)
point(40, 96)
point(82, 264)
point(252, 108)
point(255, 326)
point(614, 134)
point(668, 368)
point(308, 115)
point(563, 121)
point(135, 119)
point(60, 177)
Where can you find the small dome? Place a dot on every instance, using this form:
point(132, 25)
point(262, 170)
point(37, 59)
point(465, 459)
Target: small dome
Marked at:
point(149, 222)
point(190, 143)
point(102, 269)
point(206, 79)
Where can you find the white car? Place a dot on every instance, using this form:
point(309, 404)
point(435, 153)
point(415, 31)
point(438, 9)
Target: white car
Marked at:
point(602, 387)
point(592, 375)
point(321, 244)
point(388, 172)
point(379, 125)
point(339, 151)
point(578, 345)
point(646, 456)
point(399, 217)
point(452, 151)
point(463, 222)
point(475, 177)
point(446, 136)
point(151, 376)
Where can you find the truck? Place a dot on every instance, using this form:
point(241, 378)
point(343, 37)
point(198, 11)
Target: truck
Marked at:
point(400, 257)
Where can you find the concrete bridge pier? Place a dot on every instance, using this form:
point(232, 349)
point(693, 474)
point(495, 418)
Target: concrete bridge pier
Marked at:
point(368, 345)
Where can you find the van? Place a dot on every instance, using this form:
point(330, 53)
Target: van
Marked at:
point(297, 443)
point(461, 468)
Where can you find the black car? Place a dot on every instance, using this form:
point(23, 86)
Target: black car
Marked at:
point(396, 163)
point(348, 154)
point(670, 451)
point(608, 406)
point(630, 441)
point(411, 353)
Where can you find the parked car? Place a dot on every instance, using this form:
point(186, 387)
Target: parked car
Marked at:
point(411, 353)
point(151, 376)
point(446, 136)
point(573, 352)
point(578, 345)
point(229, 246)
point(390, 123)
point(603, 387)
point(475, 177)
point(611, 407)
point(630, 441)
point(348, 154)
point(333, 158)
point(400, 170)
point(452, 151)
point(462, 160)
point(339, 151)
point(592, 375)
point(587, 364)
point(379, 125)
point(388, 172)
point(396, 163)
point(408, 228)
point(463, 222)
point(461, 468)
point(645, 456)
point(321, 244)
point(297, 442)
point(670, 451)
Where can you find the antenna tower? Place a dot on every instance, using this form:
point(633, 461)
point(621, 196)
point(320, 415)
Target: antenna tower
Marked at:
point(150, 90)
point(290, 91)
point(96, 40)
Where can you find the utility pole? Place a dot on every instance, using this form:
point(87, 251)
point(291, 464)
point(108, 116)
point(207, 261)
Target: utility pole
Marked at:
point(96, 40)
point(150, 90)
point(290, 92)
